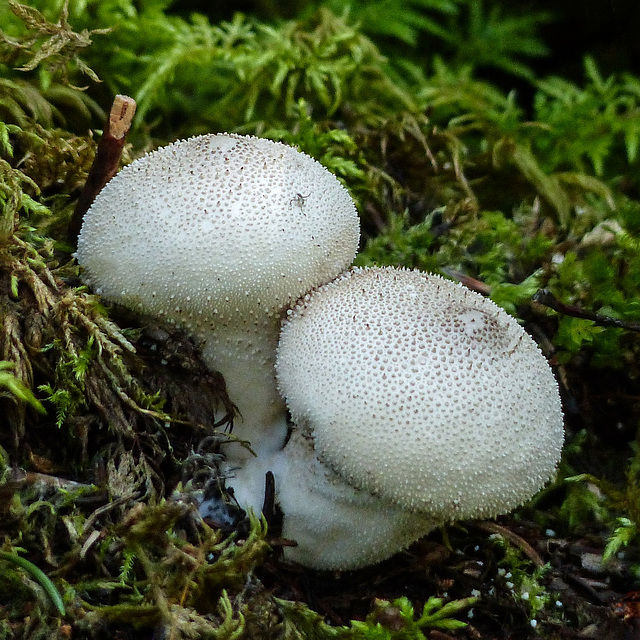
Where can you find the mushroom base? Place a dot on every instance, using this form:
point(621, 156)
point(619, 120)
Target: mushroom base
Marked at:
point(335, 526)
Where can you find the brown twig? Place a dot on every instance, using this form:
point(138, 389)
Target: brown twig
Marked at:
point(471, 283)
point(105, 164)
point(514, 538)
point(546, 298)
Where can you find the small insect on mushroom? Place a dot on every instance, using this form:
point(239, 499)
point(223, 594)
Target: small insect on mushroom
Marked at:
point(299, 201)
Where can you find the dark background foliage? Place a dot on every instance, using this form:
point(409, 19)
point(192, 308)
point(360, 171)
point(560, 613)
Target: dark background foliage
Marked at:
point(604, 29)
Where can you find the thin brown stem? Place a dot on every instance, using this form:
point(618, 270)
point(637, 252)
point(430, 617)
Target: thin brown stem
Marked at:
point(514, 538)
point(105, 164)
point(546, 298)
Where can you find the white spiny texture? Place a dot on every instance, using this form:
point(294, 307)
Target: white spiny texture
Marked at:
point(216, 229)
point(421, 392)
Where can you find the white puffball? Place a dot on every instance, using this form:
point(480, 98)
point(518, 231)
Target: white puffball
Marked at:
point(421, 392)
point(217, 227)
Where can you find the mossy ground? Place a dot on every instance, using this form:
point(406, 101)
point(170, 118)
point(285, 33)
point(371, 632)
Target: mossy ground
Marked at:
point(110, 426)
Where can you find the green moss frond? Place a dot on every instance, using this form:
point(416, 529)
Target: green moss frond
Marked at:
point(21, 102)
point(404, 20)
point(172, 582)
point(488, 37)
point(15, 186)
point(606, 111)
point(16, 388)
point(395, 620)
point(52, 46)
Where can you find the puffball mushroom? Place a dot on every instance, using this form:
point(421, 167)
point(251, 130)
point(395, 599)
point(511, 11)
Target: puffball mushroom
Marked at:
point(410, 391)
point(218, 234)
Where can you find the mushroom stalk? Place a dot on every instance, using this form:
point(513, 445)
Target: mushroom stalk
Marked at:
point(246, 360)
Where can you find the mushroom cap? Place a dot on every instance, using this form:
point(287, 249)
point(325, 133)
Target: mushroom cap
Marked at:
point(215, 228)
point(420, 391)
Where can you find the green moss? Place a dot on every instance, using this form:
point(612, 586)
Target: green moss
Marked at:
point(395, 620)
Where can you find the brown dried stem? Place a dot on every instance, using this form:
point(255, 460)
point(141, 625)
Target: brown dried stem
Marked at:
point(546, 298)
point(105, 164)
point(513, 538)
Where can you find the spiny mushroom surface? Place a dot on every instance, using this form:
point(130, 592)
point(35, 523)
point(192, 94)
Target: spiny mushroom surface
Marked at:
point(219, 233)
point(420, 392)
